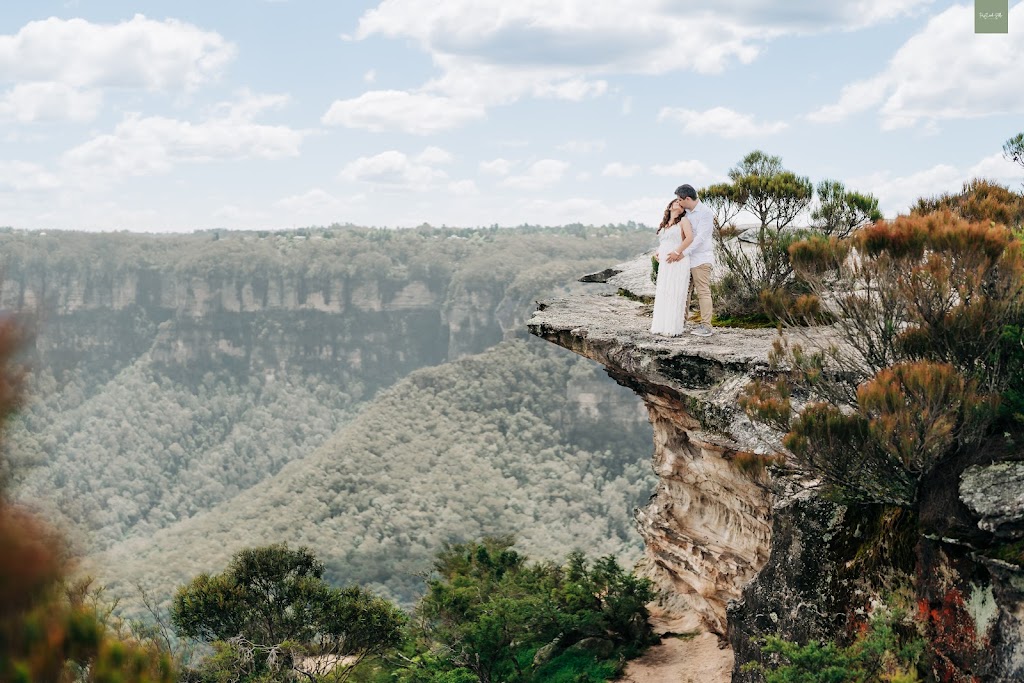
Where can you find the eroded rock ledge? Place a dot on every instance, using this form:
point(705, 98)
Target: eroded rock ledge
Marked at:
point(745, 552)
point(707, 528)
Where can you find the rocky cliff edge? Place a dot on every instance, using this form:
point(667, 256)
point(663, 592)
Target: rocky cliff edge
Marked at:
point(743, 549)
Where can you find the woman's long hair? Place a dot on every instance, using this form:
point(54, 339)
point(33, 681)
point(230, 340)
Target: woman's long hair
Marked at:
point(668, 216)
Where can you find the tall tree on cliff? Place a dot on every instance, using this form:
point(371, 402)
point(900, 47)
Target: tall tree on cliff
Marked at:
point(760, 280)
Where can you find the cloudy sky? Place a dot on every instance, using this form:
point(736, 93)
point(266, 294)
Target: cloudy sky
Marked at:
point(162, 115)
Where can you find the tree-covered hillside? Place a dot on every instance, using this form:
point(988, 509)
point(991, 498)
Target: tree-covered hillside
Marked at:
point(524, 438)
point(173, 372)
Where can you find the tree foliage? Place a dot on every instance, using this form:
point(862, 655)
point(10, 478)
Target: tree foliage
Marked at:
point(1013, 149)
point(840, 212)
point(488, 611)
point(526, 438)
point(176, 376)
point(774, 195)
point(760, 280)
point(979, 200)
point(924, 305)
point(271, 611)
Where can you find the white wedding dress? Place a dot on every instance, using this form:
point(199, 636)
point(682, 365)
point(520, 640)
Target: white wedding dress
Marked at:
point(673, 285)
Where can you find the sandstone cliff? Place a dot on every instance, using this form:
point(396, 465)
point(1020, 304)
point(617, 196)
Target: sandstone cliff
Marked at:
point(744, 550)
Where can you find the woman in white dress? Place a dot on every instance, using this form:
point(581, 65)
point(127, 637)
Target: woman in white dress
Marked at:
point(674, 235)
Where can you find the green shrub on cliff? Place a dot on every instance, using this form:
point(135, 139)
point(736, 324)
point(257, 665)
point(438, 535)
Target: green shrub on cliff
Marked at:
point(889, 647)
point(491, 614)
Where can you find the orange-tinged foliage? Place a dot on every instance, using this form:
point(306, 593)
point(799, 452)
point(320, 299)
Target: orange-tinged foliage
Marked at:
point(806, 307)
point(916, 411)
point(979, 200)
point(768, 403)
point(900, 238)
point(29, 561)
point(941, 231)
point(818, 254)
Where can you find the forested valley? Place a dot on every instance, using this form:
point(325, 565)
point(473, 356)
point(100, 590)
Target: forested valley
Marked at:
point(368, 393)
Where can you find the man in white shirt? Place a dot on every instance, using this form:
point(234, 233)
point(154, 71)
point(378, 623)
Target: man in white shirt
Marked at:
point(701, 253)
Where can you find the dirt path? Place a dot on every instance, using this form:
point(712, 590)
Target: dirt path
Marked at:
point(695, 659)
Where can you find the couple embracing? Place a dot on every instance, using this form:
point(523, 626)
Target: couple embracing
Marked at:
point(685, 254)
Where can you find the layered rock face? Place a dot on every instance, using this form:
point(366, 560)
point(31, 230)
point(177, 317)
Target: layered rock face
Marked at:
point(745, 551)
point(707, 528)
point(376, 329)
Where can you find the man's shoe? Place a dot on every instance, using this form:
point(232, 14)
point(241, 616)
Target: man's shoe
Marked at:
point(702, 331)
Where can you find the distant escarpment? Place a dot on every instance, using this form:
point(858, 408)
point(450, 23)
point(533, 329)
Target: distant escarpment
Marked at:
point(373, 303)
point(745, 545)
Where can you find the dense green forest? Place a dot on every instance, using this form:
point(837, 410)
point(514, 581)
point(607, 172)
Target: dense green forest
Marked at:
point(490, 444)
point(174, 378)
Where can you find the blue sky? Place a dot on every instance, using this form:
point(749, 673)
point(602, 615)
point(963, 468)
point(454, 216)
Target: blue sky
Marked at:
point(174, 116)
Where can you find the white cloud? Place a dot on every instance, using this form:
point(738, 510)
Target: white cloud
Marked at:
point(854, 98)
point(496, 166)
point(943, 72)
point(27, 102)
point(582, 146)
point(575, 89)
point(370, 76)
point(314, 200)
point(996, 167)
point(384, 110)
point(22, 176)
point(140, 53)
point(142, 145)
point(393, 169)
point(539, 175)
point(619, 170)
point(248, 105)
point(896, 194)
point(719, 121)
point(434, 155)
point(491, 52)
point(645, 35)
point(463, 188)
point(803, 16)
point(238, 216)
point(318, 207)
point(690, 171)
point(587, 210)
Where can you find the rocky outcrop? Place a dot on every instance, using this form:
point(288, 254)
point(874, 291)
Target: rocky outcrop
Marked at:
point(996, 494)
point(746, 549)
point(707, 528)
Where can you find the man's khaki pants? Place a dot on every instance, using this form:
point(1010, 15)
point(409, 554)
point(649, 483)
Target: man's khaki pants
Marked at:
point(700, 280)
